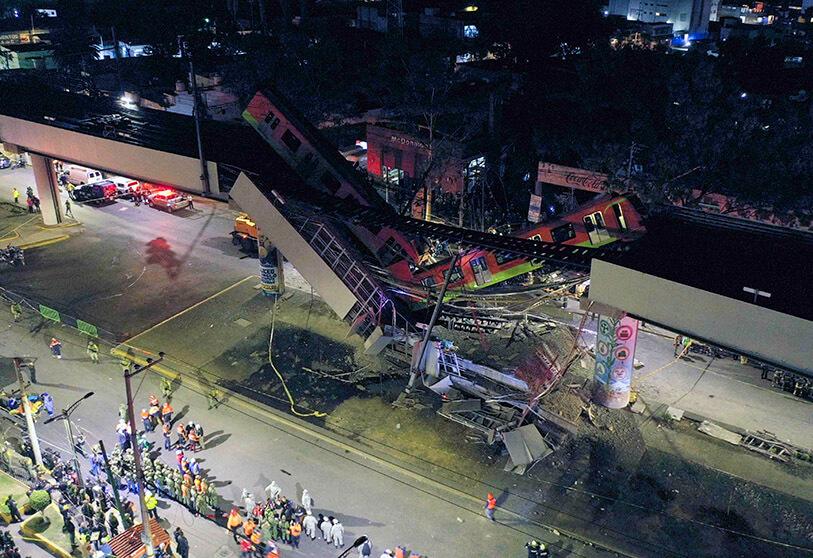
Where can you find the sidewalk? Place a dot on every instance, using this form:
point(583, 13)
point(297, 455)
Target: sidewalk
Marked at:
point(721, 390)
point(25, 230)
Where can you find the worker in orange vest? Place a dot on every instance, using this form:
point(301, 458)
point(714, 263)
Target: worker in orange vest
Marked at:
point(233, 522)
point(166, 413)
point(145, 419)
point(296, 531)
point(491, 505)
point(248, 527)
point(273, 551)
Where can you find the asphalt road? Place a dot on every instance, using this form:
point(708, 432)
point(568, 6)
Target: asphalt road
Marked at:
point(244, 449)
point(130, 267)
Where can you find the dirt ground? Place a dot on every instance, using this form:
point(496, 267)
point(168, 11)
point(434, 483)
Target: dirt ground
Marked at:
point(608, 482)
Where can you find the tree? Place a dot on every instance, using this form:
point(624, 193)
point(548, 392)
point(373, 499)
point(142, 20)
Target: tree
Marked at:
point(39, 500)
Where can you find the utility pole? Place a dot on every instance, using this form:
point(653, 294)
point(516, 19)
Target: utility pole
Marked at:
point(139, 473)
point(29, 415)
point(115, 55)
point(66, 416)
point(115, 485)
point(196, 113)
point(413, 375)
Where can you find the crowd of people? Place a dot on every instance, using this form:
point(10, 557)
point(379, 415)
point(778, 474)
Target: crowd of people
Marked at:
point(792, 383)
point(8, 548)
point(31, 201)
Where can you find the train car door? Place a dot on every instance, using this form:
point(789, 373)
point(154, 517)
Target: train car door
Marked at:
point(479, 266)
point(596, 229)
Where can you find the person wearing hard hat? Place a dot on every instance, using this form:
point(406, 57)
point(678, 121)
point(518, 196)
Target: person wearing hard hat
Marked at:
point(152, 504)
point(537, 549)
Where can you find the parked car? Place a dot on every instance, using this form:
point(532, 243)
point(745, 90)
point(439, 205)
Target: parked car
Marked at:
point(82, 175)
point(5, 162)
point(100, 191)
point(126, 187)
point(168, 200)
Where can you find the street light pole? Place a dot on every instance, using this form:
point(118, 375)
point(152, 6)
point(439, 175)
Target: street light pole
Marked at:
point(139, 473)
point(29, 415)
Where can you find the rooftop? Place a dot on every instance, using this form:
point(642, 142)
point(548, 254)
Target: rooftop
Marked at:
point(28, 47)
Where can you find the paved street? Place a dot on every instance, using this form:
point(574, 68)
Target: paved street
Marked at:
point(247, 450)
point(130, 267)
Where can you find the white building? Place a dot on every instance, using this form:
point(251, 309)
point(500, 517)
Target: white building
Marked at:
point(686, 16)
point(105, 51)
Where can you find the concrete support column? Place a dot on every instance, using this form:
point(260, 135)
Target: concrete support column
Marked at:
point(47, 190)
point(272, 277)
point(615, 354)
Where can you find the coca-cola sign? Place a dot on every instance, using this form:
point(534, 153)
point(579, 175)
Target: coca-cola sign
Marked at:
point(571, 177)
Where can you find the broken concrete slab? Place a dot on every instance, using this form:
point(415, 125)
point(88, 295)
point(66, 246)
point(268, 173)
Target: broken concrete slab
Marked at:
point(525, 445)
point(673, 413)
point(638, 407)
point(720, 433)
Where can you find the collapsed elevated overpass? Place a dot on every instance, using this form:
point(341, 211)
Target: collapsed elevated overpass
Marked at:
point(687, 274)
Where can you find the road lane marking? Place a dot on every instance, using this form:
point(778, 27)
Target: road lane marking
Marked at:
point(185, 310)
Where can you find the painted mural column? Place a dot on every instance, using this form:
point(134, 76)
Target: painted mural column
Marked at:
point(47, 189)
point(272, 277)
point(615, 355)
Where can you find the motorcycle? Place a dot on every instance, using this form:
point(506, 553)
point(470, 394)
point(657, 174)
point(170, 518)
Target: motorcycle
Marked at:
point(12, 255)
point(18, 164)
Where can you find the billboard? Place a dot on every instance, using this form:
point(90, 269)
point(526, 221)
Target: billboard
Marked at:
point(571, 177)
point(615, 354)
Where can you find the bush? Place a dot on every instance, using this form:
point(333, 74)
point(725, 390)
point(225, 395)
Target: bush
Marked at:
point(39, 500)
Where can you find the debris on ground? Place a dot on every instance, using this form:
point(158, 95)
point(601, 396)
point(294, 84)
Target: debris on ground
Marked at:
point(716, 431)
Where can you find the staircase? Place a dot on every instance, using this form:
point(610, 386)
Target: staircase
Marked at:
point(319, 253)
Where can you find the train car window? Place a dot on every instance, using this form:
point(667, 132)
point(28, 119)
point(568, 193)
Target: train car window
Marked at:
point(563, 233)
point(479, 266)
point(428, 281)
point(329, 181)
point(272, 120)
point(599, 220)
point(504, 257)
point(291, 141)
point(457, 275)
point(392, 252)
point(619, 216)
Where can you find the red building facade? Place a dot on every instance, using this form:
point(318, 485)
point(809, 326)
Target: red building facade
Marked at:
point(401, 160)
